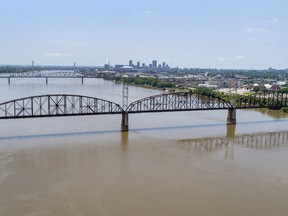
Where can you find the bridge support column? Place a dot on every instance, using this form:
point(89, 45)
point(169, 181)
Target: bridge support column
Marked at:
point(124, 140)
point(231, 118)
point(46, 80)
point(82, 80)
point(9, 80)
point(124, 124)
point(231, 131)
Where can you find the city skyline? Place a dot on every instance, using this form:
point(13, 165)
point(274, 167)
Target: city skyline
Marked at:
point(240, 34)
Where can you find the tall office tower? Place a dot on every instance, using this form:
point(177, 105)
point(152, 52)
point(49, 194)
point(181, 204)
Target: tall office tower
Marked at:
point(138, 65)
point(33, 66)
point(163, 64)
point(154, 63)
point(130, 63)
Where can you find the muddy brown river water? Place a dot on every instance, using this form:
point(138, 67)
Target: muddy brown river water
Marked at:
point(182, 163)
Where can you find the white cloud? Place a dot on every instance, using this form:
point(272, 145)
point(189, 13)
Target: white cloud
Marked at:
point(142, 13)
point(58, 54)
point(260, 30)
point(249, 30)
point(274, 20)
point(147, 12)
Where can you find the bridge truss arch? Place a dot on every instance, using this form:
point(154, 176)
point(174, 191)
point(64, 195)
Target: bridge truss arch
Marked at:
point(169, 102)
point(57, 105)
point(64, 74)
point(26, 74)
point(262, 100)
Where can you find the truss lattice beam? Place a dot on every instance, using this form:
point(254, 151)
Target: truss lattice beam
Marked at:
point(57, 105)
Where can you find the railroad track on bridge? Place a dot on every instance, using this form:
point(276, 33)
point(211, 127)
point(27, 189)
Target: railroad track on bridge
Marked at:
point(59, 105)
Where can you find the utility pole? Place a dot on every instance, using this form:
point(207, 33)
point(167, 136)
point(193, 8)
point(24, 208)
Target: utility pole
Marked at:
point(32, 66)
point(74, 68)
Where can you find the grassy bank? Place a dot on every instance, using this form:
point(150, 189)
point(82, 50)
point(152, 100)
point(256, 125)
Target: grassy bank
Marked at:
point(284, 109)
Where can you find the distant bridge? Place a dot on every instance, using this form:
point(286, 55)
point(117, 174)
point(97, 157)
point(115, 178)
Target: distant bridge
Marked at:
point(57, 105)
point(56, 74)
point(39, 74)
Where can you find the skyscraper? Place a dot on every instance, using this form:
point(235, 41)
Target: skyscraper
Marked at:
point(154, 63)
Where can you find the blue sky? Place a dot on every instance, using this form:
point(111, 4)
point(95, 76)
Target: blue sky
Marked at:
point(240, 34)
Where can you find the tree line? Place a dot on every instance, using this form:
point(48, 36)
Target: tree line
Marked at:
point(143, 81)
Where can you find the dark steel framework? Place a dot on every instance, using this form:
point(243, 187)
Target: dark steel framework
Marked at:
point(57, 105)
point(177, 102)
point(58, 74)
point(64, 74)
point(69, 105)
point(263, 100)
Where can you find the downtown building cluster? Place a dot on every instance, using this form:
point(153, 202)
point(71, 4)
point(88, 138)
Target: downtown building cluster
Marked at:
point(139, 66)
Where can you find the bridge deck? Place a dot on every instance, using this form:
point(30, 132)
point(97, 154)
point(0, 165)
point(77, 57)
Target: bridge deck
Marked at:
point(62, 105)
point(75, 105)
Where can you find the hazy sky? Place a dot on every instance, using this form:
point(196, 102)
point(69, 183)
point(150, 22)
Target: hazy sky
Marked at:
point(185, 33)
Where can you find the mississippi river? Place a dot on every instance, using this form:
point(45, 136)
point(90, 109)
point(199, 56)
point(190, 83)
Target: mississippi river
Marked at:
point(168, 164)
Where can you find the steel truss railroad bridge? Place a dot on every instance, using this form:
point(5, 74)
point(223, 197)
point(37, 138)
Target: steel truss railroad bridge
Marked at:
point(46, 76)
point(57, 105)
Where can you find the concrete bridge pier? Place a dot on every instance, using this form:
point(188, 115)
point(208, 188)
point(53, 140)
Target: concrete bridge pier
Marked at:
point(124, 140)
point(231, 118)
point(9, 80)
point(46, 80)
point(82, 80)
point(124, 124)
point(230, 132)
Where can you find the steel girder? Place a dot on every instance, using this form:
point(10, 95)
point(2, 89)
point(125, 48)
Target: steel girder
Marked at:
point(69, 105)
point(263, 100)
point(177, 102)
point(64, 74)
point(39, 74)
point(57, 105)
point(26, 74)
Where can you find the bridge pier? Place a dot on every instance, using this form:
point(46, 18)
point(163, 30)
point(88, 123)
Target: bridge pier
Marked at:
point(124, 123)
point(82, 80)
point(124, 140)
point(46, 80)
point(230, 132)
point(9, 81)
point(231, 118)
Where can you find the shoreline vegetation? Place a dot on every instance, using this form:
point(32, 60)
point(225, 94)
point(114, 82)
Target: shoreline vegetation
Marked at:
point(284, 109)
point(141, 81)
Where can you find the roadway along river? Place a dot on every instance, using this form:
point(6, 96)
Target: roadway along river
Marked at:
point(185, 163)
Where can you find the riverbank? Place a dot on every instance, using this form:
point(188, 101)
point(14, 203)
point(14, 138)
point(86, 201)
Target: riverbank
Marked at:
point(147, 82)
point(284, 109)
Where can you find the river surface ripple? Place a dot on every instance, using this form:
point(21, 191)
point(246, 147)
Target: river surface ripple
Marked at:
point(182, 163)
